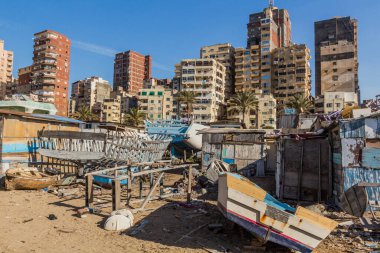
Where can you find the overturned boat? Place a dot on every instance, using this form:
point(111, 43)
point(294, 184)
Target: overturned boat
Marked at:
point(184, 136)
point(268, 219)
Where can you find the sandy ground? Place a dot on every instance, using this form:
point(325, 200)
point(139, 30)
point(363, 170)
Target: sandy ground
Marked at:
point(24, 227)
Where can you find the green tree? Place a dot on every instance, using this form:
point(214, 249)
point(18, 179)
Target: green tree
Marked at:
point(242, 103)
point(187, 97)
point(134, 117)
point(301, 103)
point(85, 114)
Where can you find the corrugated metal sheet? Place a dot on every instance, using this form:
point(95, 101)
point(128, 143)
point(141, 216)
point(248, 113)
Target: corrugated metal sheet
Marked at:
point(372, 128)
point(352, 128)
point(371, 158)
point(354, 176)
point(351, 152)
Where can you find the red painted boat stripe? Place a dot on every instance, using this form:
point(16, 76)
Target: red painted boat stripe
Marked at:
point(262, 225)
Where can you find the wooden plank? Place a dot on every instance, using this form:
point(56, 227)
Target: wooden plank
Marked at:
point(116, 194)
point(74, 135)
point(371, 158)
point(158, 180)
point(315, 218)
point(71, 155)
point(300, 172)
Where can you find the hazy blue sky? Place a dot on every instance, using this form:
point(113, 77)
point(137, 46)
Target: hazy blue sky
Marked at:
point(170, 30)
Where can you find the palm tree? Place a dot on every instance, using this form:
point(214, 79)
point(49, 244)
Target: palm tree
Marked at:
point(85, 114)
point(300, 103)
point(187, 97)
point(134, 117)
point(243, 102)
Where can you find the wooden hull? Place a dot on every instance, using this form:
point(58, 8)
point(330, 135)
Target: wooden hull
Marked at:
point(249, 206)
point(26, 183)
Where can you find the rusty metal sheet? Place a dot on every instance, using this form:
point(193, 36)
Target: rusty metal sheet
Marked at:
point(351, 152)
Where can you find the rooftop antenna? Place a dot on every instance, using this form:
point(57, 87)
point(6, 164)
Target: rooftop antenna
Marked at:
point(271, 3)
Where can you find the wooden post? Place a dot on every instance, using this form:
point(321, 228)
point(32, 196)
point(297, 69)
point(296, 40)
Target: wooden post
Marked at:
point(189, 178)
point(129, 185)
point(162, 186)
point(90, 193)
point(141, 186)
point(116, 194)
point(319, 173)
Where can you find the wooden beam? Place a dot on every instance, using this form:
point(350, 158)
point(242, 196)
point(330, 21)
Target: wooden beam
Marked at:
point(189, 186)
point(73, 135)
point(90, 193)
point(158, 180)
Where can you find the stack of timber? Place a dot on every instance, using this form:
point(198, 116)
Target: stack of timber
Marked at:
point(268, 219)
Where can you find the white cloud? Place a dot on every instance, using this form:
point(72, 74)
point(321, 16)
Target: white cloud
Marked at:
point(161, 66)
point(93, 48)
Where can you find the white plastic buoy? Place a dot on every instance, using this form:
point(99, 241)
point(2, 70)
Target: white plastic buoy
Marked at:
point(119, 220)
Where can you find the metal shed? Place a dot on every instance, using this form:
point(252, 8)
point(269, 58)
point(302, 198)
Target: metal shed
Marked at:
point(356, 155)
point(243, 148)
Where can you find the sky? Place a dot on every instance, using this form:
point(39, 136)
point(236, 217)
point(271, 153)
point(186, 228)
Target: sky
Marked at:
point(171, 30)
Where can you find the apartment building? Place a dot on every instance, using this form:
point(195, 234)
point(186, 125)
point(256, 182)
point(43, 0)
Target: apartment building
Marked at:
point(267, 30)
point(51, 69)
point(156, 100)
point(206, 78)
point(90, 92)
point(248, 70)
point(336, 55)
point(127, 101)
point(130, 71)
point(6, 68)
point(111, 110)
point(225, 54)
point(291, 73)
point(263, 117)
point(332, 101)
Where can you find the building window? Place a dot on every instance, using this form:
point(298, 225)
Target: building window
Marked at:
point(335, 78)
point(329, 105)
point(143, 93)
point(159, 93)
point(151, 93)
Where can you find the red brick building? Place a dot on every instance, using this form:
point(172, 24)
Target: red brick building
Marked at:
point(130, 71)
point(51, 69)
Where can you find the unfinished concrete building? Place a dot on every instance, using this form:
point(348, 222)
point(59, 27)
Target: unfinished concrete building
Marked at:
point(90, 92)
point(111, 110)
point(206, 78)
point(225, 54)
point(291, 73)
point(336, 55)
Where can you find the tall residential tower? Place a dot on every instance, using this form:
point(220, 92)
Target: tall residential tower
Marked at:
point(130, 71)
point(6, 67)
point(336, 56)
point(51, 69)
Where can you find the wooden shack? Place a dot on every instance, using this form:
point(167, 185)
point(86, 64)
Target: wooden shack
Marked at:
point(303, 168)
point(19, 132)
point(245, 149)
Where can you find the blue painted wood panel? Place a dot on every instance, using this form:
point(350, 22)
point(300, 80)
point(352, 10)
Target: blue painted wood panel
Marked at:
point(371, 158)
point(353, 176)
